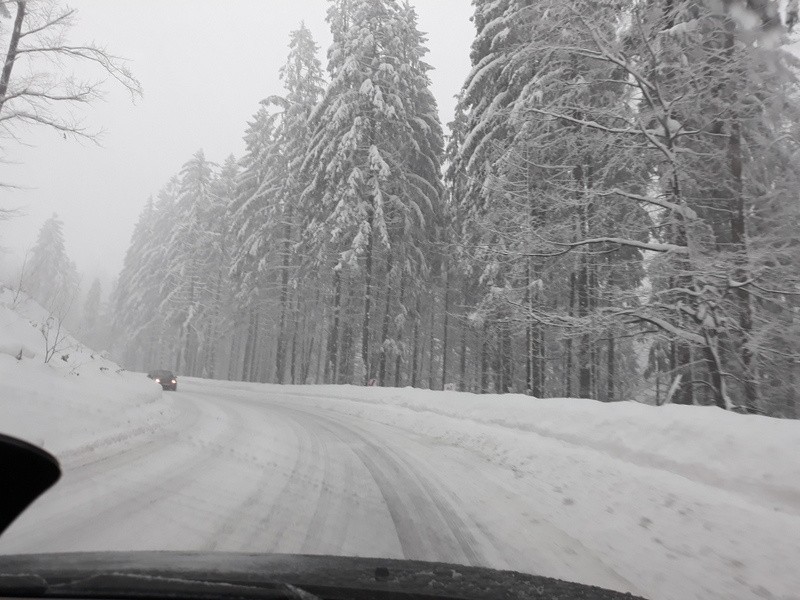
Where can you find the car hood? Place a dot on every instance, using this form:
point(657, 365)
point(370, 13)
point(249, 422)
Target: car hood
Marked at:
point(382, 578)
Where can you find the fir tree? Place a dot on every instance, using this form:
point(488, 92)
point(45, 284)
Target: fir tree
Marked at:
point(374, 153)
point(52, 279)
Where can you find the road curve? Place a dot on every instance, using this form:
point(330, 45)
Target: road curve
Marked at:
point(242, 470)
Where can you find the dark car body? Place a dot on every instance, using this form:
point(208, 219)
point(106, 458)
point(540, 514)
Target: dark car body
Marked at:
point(167, 379)
point(192, 575)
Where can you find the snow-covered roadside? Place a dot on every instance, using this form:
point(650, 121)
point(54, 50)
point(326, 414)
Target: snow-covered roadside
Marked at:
point(78, 400)
point(634, 490)
point(756, 457)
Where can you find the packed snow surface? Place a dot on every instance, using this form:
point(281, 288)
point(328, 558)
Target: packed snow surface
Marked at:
point(668, 503)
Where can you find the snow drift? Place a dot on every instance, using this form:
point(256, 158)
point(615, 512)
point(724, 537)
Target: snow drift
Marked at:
point(78, 398)
point(751, 455)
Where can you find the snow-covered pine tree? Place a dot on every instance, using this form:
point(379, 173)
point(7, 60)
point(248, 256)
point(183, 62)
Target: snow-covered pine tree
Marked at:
point(526, 174)
point(52, 278)
point(692, 163)
point(141, 337)
point(219, 316)
point(89, 326)
point(500, 72)
point(373, 159)
point(419, 255)
point(303, 80)
point(460, 241)
point(713, 160)
point(254, 234)
point(172, 300)
point(185, 292)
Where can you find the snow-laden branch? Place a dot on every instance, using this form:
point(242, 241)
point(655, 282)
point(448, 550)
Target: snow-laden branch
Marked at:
point(751, 283)
point(652, 246)
point(685, 211)
point(585, 122)
point(665, 326)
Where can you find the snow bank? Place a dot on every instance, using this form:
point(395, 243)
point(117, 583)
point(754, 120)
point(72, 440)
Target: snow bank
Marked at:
point(754, 456)
point(75, 401)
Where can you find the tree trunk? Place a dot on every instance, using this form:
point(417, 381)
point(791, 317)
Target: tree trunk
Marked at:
point(308, 349)
point(387, 309)
point(246, 350)
point(213, 332)
point(332, 362)
point(681, 363)
point(280, 353)
point(611, 370)
point(347, 355)
point(681, 352)
point(296, 327)
point(266, 356)
point(248, 347)
point(11, 55)
point(506, 364)
point(529, 343)
point(367, 302)
point(715, 364)
point(584, 354)
point(398, 362)
point(204, 351)
point(446, 337)
point(484, 361)
point(462, 367)
point(415, 351)
point(658, 388)
point(188, 358)
point(594, 350)
point(540, 362)
point(233, 352)
point(568, 343)
point(432, 342)
point(181, 346)
point(254, 354)
point(497, 363)
point(739, 242)
point(533, 382)
point(321, 375)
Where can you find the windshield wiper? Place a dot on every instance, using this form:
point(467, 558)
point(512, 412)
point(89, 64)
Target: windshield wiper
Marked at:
point(132, 586)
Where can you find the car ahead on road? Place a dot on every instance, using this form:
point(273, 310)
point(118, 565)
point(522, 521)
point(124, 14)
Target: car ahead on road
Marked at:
point(27, 471)
point(167, 379)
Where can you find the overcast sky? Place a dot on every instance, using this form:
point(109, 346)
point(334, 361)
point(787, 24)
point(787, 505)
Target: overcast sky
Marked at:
point(204, 65)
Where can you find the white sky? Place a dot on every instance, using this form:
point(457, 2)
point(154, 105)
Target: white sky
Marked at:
point(204, 66)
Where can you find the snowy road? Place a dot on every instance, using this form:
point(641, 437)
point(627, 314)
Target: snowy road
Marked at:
point(239, 469)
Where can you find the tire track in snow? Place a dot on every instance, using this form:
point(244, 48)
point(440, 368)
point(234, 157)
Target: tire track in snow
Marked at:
point(305, 514)
point(465, 515)
point(327, 529)
point(254, 507)
point(268, 531)
point(426, 523)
